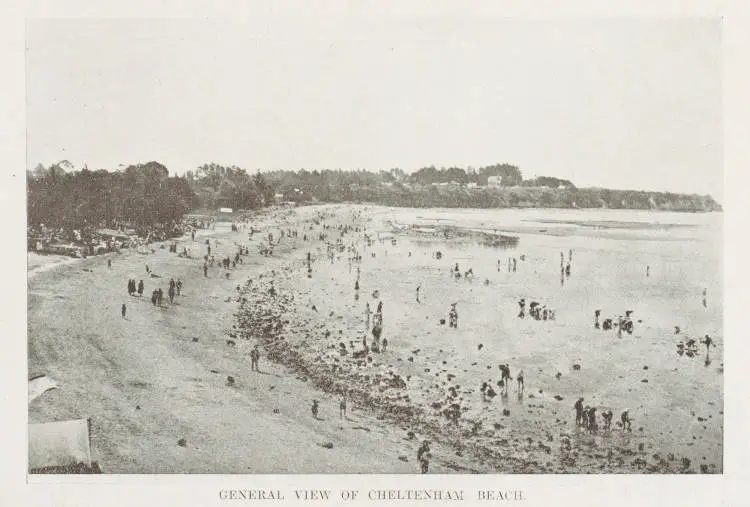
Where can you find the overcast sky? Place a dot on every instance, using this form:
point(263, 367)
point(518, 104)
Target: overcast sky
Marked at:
point(616, 103)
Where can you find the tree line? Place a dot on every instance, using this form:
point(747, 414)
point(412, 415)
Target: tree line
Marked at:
point(145, 194)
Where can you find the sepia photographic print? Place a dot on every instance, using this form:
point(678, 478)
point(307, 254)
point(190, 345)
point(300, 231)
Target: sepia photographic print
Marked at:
point(399, 248)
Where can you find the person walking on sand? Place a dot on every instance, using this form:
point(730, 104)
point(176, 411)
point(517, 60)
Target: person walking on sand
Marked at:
point(453, 316)
point(315, 409)
point(418, 287)
point(578, 406)
point(124, 310)
point(625, 420)
point(704, 298)
point(254, 358)
point(140, 288)
point(205, 270)
point(179, 286)
point(342, 406)
point(519, 380)
point(109, 263)
point(423, 455)
point(648, 271)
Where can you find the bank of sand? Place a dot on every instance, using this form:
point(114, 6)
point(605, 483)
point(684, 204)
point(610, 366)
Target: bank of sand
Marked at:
point(108, 367)
point(146, 384)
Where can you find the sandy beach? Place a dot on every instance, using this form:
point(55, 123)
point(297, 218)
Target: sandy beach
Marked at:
point(160, 374)
point(146, 384)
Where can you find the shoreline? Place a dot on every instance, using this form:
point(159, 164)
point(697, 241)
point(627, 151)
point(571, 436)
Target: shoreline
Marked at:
point(275, 321)
point(382, 415)
point(145, 383)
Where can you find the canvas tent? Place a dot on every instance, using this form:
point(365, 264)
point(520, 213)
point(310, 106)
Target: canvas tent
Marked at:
point(60, 447)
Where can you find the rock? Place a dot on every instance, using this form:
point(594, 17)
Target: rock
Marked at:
point(645, 380)
point(645, 367)
point(404, 459)
point(230, 380)
point(506, 412)
point(137, 407)
point(182, 442)
point(327, 445)
point(195, 339)
point(558, 397)
point(576, 367)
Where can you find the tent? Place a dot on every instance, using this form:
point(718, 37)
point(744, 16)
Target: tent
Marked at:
point(61, 447)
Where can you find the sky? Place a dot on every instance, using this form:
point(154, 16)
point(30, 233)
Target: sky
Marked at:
point(618, 103)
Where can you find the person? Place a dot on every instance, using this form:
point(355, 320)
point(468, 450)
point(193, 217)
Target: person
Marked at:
point(625, 420)
point(418, 287)
point(140, 287)
point(385, 344)
point(648, 271)
point(254, 358)
point(591, 423)
point(423, 455)
point(578, 406)
point(522, 307)
point(109, 263)
point(342, 406)
point(124, 309)
point(514, 264)
point(519, 379)
point(453, 316)
point(708, 341)
point(596, 318)
point(205, 270)
point(704, 298)
point(179, 286)
point(315, 409)
point(607, 416)
point(505, 378)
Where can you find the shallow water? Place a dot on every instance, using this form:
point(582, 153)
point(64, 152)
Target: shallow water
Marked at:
point(608, 273)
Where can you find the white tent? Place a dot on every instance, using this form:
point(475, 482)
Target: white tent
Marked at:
point(59, 444)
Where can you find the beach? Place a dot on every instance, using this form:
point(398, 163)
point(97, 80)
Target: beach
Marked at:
point(160, 374)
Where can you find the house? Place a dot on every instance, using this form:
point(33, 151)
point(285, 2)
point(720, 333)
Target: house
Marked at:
point(494, 181)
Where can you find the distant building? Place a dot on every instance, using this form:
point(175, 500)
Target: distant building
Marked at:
point(494, 181)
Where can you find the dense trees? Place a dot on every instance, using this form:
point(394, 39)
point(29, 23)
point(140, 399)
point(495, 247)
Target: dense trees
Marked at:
point(142, 194)
point(145, 194)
